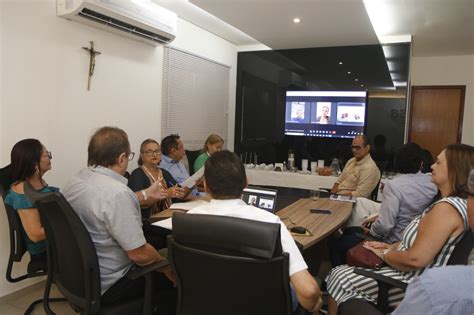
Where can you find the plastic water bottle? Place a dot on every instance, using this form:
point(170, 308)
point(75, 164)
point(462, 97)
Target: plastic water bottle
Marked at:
point(336, 169)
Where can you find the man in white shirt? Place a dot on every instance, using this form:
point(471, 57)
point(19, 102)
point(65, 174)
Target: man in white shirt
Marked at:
point(224, 181)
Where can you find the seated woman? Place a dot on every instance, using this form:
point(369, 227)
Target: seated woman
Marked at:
point(427, 242)
point(147, 173)
point(30, 160)
point(213, 144)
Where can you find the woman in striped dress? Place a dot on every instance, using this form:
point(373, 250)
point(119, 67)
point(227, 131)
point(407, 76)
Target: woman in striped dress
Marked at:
point(428, 240)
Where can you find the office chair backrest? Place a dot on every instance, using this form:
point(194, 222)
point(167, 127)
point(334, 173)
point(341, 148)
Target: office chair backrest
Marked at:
point(72, 259)
point(17, 242)
point(462, 250)
point(192, 156)
point(228, 266)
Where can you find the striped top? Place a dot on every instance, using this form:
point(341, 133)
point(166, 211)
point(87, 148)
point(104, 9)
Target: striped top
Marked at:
point(441, 259)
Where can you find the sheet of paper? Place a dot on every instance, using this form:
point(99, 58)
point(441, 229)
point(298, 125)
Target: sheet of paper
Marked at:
point(188, 205)
point(191, 181)
point(164, 224)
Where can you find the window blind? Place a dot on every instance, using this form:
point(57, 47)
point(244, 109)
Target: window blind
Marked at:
point(195, 97)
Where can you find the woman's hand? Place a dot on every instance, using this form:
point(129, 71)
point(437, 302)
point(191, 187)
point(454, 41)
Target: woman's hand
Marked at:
point(176, 192)
point(376, 251)
point(376, 245)
point(156, 191)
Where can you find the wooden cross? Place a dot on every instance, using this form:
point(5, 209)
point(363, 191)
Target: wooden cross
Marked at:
point(92, 54)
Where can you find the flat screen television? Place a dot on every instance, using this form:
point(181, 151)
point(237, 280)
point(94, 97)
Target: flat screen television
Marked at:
point(336, 114)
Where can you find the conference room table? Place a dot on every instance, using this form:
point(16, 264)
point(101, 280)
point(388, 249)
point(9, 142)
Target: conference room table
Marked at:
point(298, 213)
point(319, 225)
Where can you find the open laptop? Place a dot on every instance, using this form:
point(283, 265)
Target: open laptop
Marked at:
point(262, 198)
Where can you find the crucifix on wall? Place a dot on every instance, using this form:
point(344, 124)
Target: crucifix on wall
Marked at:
point(92, 54)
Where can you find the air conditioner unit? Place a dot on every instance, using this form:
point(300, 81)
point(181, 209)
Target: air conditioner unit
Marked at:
point(141, 20)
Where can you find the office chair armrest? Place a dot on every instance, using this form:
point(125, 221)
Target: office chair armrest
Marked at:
point(138, 271)
point(381, 278)
point(384, 285)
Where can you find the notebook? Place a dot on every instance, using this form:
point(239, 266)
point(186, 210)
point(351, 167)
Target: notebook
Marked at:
point(262, 198)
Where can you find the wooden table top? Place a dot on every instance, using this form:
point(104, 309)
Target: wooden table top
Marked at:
point(297, 214)
point(320, 225)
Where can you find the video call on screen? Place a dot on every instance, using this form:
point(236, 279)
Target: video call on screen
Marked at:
point(339, 114)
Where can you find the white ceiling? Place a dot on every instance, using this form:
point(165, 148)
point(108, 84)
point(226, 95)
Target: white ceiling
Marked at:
point(438, 27)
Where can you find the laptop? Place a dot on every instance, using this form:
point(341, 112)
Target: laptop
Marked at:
point(262, 198)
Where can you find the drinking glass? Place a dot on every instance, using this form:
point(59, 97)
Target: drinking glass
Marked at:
point(314, 194)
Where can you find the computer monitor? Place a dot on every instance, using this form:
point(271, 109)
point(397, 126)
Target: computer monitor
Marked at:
point(336, 114)
point(262, 198)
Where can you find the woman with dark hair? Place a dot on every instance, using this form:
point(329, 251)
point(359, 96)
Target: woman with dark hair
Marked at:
point(30, 160)
point(149, 172)
point(427, 242)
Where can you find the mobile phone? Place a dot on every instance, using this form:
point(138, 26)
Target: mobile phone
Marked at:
point(321, 211)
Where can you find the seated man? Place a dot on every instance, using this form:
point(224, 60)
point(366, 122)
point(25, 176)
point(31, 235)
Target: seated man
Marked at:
point(111, 213)
point(224, 181)
point(404, 197)
point(444, 290)
point(172, 149)
point(360, 175)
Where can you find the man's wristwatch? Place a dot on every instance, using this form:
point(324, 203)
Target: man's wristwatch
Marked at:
point(145, 197)
point(384, 252)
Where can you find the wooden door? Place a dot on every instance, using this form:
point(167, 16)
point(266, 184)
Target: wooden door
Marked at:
point(436, 114)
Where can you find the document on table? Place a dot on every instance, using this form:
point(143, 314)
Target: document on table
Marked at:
point(191, 181)
point(164, 224)
point(189, 205)
point(345, 198)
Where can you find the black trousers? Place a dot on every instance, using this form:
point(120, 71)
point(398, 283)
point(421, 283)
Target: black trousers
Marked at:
point(339, 246)
point(155, 235)
point(126, 289)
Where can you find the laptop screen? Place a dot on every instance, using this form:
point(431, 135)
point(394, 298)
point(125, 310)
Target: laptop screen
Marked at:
point(262, 198)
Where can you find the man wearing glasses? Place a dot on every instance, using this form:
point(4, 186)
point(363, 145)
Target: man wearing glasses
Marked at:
point(360, 175)
point(111, 213)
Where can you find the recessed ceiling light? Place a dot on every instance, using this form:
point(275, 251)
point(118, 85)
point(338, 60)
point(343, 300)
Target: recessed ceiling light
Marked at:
point(356, 79)
point(361, 85)
point(340, 62)
point(296, 20)
point(348, 72)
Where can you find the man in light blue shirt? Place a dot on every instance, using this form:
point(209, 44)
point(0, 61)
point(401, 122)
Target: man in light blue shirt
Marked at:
point(404, 197)
point(444, 290)
point(172, 149)
point(111, 213)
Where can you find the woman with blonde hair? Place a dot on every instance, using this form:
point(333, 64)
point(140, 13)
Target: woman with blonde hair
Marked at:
point(427, 242)
point(213, 144)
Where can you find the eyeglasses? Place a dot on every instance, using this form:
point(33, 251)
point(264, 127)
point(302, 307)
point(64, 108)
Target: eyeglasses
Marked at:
point(48, 154)
point(152, 152)
point(131, 155)
point(356, 147)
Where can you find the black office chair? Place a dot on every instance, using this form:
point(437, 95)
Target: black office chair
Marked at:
point(73, 263)
point(18, 245)
point(192, 156)
point(459, 256)
point(228, 266)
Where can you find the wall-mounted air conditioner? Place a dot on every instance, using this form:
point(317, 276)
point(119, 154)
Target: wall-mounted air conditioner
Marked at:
point(141, 20)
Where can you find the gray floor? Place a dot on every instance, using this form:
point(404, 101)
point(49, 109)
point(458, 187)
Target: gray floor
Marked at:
point(16, 303)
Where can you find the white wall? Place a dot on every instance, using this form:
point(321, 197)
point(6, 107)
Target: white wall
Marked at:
point(449, 70)
point(43, 77)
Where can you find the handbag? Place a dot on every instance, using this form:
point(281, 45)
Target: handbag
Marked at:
point(359, 256)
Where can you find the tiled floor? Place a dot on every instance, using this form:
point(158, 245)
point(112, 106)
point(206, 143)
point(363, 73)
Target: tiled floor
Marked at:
point(16, 303)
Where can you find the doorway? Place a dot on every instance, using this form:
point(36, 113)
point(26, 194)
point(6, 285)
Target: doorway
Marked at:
point(436, 114)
